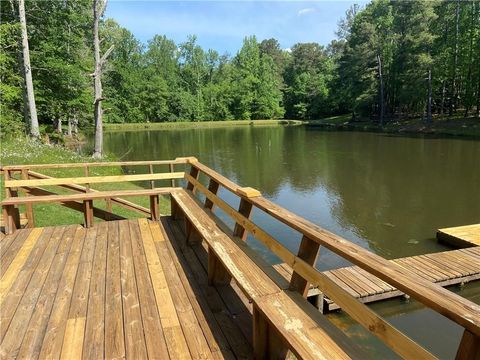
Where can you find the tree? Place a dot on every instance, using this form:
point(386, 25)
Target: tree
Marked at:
point(27, 72)
point(99, 7)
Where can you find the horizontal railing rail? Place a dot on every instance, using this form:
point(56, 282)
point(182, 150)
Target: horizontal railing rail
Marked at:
point(31, 183)
point(460, 310)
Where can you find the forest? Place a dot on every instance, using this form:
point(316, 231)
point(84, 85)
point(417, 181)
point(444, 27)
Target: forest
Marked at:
point(390, 60)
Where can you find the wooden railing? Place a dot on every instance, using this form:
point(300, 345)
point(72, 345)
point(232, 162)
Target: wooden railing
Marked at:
point(460, 310)
point(311, 238)
point(28, 179)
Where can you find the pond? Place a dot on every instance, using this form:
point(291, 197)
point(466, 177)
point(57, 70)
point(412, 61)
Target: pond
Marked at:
point(386, 193)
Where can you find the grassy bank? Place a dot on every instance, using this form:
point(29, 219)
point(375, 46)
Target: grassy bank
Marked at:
point(197, 124)
point(454, 126)
point(21, 150)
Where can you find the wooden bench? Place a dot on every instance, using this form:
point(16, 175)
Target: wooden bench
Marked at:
point(11, 216)
point(278, 314)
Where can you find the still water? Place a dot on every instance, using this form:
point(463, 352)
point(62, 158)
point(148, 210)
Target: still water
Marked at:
point(386, 193)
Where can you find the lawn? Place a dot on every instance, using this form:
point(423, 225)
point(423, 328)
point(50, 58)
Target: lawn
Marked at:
point(22, 150)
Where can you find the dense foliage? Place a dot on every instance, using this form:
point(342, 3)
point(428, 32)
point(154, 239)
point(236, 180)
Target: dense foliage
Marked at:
point(380, 64)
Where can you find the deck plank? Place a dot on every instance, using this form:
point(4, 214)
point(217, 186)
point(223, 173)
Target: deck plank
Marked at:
point(11, 299)
point(211, 329)
point(192, 331)
point(53, 340)
point(28, 337)
point(134, 335)
point(9, 255)
point(176, 344)
point(229, 325)
point(114, 335)
point(154, 336)
point(94, 342)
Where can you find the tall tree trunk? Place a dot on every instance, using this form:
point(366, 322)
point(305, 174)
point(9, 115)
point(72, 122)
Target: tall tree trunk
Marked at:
point(382, 90)
point(468, 90)
point(34, 130)
point(429, 100)
point(97, 84)
point(22, 72)
point(442, 106)
point(69, 127)
point(99, 7)
point(454, 92)
point(59, 124)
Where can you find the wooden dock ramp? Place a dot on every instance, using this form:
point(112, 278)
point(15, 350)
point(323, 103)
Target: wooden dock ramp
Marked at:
point(460, 236)
point(443, 268)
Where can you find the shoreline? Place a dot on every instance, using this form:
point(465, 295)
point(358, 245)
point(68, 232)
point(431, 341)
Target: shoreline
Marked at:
point(465, 128)
point(197, 124)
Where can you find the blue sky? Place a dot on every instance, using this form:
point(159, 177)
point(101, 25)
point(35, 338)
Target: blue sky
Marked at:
point(222, 25)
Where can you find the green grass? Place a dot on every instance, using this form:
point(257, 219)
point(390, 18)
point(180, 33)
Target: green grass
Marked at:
point(198, 124)
point(337, 119)
point(22, 150)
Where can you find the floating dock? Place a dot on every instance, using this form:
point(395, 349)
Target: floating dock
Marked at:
point(460, 236)
point(443, 268)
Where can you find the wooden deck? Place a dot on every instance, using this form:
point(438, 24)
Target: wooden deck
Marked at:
point(192, 287)
point(119, 289)
point(443, 268)
point(460, 236)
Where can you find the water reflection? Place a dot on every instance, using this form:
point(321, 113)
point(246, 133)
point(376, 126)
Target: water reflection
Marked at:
point(386, 193)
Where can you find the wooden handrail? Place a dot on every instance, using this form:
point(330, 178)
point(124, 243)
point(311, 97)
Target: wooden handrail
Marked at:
point(453, 306)
point(93, 179)
point(179, 160)
point(79, 188)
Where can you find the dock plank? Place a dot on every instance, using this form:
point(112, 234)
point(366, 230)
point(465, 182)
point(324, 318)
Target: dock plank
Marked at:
point(444, 268)
point(460, 236)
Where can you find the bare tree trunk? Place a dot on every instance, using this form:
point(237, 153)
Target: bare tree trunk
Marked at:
point(34, 130)
point(99, 7)
point(58, 124)
point(382, 90)
point(69, 128)
point(429, 100)
point(442, 106)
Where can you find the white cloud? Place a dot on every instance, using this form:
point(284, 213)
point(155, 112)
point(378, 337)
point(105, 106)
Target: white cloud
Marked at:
point(305, 11)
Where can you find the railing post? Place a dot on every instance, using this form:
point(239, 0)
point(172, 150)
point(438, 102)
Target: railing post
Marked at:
point(260, 335)
point(12, 213)
point(213, 187)
point(88, 212)
point(217, 274)
point(87, 174)
point(469, 347)
point(154, 209)
point(308, 251)
point(194, 172)
point(171, 167)
point(152, 182)
point(28, 207)
point(9, 219)
point(245, 208)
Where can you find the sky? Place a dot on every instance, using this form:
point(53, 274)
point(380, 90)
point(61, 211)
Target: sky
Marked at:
point(222, 25)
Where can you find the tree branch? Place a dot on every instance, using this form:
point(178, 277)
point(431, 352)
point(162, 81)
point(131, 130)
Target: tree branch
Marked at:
point(106, 55)
point(102, 9)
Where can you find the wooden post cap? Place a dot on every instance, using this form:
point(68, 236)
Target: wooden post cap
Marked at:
point(248, 192)
point(188, 159)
